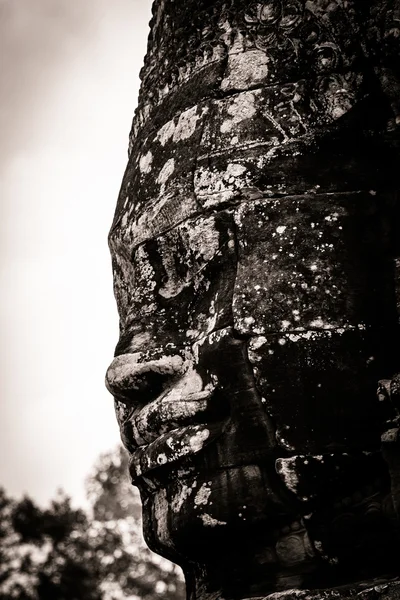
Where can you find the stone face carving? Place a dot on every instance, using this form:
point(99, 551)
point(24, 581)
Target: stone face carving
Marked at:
point(255, 253)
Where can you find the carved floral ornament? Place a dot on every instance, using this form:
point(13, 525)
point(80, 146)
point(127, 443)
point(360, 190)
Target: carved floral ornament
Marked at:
point(272, 12)
point(292, 30)
point(278, 24)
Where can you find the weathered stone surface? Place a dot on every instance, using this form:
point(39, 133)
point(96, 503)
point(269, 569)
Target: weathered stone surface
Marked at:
point(378, 589)
point(255, 252)
point(326, 263)
point(320, 386)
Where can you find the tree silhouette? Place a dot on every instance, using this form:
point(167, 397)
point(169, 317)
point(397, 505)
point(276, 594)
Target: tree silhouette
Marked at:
point(62, 553)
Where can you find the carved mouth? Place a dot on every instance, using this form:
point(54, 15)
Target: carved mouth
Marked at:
point(174, 410)
point(172, 447)
point(173, 427)
point(167, 414)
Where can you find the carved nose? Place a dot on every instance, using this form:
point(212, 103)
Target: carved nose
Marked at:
point(132, 379)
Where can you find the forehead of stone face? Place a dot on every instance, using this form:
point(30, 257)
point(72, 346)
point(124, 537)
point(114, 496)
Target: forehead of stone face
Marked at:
point(218, 152)
point(293, 74)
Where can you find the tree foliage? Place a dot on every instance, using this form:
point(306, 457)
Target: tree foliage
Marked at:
point(63, 553)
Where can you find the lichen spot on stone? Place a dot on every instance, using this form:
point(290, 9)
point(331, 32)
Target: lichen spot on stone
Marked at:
point(202, 495)
point(166, 132)
point(241, 108)
point(257, 342)
point(286, 468)
point(186, 125)
point(249, 321)
point(145, 163)
point(196, 442)
point(245, 69)
point(319, 323)
point(181, 497)
point(204, 239)
point(235, 170)
point(166, 171)
point(209, 521)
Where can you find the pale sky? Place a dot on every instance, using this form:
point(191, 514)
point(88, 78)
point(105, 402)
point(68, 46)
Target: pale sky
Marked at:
point(69, 83)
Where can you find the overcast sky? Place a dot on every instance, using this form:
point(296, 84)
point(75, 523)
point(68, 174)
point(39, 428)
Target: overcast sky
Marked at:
point(69, 83)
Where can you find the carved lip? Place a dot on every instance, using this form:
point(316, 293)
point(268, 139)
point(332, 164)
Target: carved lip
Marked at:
point(173, 446)
point(175, 425)
point(173, 410)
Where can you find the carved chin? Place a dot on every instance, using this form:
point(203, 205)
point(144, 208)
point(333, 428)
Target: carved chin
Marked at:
point(209, 508)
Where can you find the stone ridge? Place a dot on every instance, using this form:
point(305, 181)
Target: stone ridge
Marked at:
point(378, 590)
